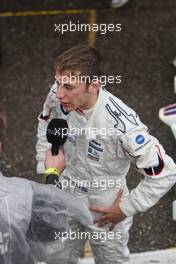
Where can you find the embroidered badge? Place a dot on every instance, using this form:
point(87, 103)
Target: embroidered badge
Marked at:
point(94, 150)
point(140, 139)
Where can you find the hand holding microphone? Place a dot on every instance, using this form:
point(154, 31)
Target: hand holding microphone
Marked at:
point(57, 133)
point(56, 161)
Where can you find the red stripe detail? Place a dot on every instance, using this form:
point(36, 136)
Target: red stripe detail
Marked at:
point(159, 151)
point(79, 110)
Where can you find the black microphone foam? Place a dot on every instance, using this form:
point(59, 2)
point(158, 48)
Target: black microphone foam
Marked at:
point(57, 133)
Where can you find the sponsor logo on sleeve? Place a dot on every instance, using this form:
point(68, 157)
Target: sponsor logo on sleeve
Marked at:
point(140, 139)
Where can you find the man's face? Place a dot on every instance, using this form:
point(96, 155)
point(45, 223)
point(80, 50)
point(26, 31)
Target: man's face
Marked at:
point(72, 92)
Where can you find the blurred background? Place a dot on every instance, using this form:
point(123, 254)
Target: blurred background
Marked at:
point(141, 53)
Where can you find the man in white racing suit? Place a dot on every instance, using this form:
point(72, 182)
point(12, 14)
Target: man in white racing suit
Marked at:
point(104, 137)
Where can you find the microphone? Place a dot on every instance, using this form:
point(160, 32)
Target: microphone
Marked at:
point(56, 134)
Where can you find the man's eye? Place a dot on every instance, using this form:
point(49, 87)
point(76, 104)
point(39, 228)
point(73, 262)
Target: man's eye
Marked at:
point(69, 87)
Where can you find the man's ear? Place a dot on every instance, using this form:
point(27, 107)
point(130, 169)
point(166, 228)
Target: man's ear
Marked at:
point(0, 147)
point(94, 87)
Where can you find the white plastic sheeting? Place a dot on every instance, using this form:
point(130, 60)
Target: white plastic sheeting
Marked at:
point(166, 256)
point(34, 220)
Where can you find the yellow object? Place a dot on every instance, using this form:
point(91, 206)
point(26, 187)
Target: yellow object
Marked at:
point(52, 171)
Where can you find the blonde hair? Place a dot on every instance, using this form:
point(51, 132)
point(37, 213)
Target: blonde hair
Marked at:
point(83, 59)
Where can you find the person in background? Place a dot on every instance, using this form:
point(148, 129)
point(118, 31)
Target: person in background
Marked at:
point(31, 213)
point(118, 3)
point(115, 3)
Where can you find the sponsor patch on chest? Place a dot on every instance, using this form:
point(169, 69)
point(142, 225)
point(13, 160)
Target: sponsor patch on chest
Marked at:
point(94, 150)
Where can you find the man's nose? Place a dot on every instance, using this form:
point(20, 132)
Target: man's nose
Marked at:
point(60, 93)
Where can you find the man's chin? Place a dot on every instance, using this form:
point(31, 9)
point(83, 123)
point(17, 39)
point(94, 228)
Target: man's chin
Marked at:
point(68, 108)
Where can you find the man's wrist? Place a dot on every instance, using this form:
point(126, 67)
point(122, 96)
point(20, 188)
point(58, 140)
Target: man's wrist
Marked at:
point(52, 177)
point(53, 171)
